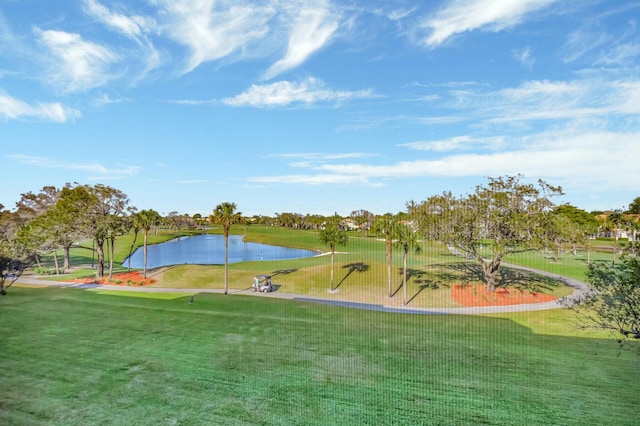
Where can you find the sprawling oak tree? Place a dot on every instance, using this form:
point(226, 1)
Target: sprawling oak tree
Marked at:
point(505, 216)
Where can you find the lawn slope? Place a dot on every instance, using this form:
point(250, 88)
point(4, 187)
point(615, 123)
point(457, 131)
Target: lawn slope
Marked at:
point(79, 357)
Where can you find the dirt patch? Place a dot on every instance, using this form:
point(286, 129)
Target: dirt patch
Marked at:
point(124, 279)
point(471, 295)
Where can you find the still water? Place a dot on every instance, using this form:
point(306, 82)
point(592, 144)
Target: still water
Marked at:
point(209, 249)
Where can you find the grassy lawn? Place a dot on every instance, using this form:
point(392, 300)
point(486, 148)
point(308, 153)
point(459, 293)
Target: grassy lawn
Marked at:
point(80, 357)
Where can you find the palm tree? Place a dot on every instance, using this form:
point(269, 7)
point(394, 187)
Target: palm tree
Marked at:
point(332, 235)
point(386, 225)
point(145, 220)
point(407, 240)
point(225, 215)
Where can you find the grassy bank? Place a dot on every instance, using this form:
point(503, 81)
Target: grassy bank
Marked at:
point(79, 357)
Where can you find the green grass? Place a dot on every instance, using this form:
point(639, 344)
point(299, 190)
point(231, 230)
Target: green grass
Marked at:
point(79, 357)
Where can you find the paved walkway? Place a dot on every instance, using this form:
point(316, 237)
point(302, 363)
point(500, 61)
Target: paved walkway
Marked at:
point(579, 290)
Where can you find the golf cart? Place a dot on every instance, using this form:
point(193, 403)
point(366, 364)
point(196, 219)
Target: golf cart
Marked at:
point(262, 283)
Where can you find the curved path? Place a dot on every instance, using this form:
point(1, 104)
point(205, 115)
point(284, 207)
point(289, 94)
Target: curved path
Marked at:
point(579, 290)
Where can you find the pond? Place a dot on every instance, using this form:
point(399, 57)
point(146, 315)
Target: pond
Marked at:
point(209, 250)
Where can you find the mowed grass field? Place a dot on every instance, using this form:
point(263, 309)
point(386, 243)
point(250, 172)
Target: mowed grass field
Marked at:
point(73, 356)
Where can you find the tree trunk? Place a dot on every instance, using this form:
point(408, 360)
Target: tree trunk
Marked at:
point(144, 256)
point(100, 265)
point(389, 259)
point(404, 278)
point(490, 270)
point(333, 251)
point(55, 261)
point(226, 262)
point(67, 256)
point(133, 243)
point(112, 243)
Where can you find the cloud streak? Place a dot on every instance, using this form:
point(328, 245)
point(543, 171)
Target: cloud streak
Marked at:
point(567, 158)
point(95, 170)
point(13, 109)
point(460, 16)
point(77, 65)
point(313, 28)
point(284, 93)
point(213, 30)
point(131, 26)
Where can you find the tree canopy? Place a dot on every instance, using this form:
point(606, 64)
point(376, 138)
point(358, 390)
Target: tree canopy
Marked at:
point(614, 303)
point(504, 216)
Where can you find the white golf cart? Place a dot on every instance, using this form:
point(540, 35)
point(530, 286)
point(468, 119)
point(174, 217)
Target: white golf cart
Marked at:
point(262, 283)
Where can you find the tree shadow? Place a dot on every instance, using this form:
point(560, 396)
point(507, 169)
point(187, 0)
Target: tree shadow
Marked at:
point(525, 280)
point(353, 267)
point(507, 277)
point(425, 279)
point(284, 271)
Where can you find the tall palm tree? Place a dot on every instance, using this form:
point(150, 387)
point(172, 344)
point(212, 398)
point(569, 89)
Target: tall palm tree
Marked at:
point(225, 215)
point(386, 225)
point(332, 235)
point(145, 220)
point(407, 240)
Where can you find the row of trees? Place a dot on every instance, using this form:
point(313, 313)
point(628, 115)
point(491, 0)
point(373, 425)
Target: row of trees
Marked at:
point(56, 219)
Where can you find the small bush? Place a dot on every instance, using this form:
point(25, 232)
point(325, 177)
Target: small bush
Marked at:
point(44, 271)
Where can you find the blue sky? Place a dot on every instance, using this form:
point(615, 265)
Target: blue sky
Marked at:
point(319, 106)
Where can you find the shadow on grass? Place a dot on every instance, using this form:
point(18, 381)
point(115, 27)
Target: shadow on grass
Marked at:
point(431, 277)
point(284, 271)
point(466, 272)
point(353, 267)
point(444, 275)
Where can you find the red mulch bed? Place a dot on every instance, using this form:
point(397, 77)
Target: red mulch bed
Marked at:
point(125, 279)
point(471, 295)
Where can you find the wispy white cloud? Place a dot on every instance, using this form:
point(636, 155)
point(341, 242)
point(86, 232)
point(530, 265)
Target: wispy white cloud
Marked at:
point(457, 143)
point(134, 27)
point(76, 65)
point(320, 156)
point(400, 14)
point(211, 29)
point(576, 160)
point(315, 179)
point(572, 100)
point(194, 101)
point(104, 99)
point(460, 16)
point(191, 181)
point(130, 26)
point(94, 170)
point(283, 93)
point(312, 28)
point(12, 108)
point(596, 44)
point(562, 101)
point(620, 54)
point(524, 56)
